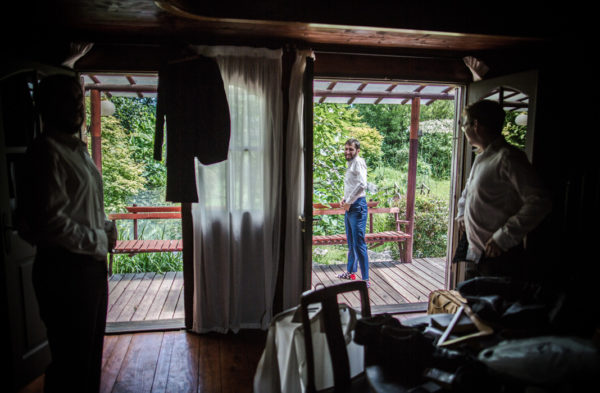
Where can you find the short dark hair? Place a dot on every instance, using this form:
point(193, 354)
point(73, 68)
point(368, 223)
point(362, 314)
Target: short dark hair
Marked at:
point(59, 99)
point(353, 142)
point(487, 112)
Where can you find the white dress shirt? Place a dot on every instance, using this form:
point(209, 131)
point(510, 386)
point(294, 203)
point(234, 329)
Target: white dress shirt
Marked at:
point(503, 199)
point(355, 182)
point(67, 204)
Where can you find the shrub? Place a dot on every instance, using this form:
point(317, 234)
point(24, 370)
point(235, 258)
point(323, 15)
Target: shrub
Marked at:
point(431, 225)
point(150, 262)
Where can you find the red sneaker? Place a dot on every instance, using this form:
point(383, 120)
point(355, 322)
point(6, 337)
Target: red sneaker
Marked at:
point(347, 276)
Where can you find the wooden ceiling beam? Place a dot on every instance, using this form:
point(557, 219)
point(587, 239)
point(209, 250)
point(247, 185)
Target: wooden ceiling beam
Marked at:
point(133, 82)
point(107, 87)
point(382, 95)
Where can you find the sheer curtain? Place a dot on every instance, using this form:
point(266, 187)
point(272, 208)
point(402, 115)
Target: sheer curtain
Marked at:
point(294, 180)
point(236, 220)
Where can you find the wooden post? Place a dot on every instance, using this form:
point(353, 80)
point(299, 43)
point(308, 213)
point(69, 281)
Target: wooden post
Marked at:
point(96, 128)
point(415, 110)
point(135, 226)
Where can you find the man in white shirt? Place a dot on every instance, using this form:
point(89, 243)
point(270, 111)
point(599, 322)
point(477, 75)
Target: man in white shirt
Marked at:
point(65, 219)
point(503, 200)
point(355, 218)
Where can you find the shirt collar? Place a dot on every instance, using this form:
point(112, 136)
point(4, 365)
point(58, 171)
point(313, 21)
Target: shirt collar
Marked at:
point(494, 145)
point(352, 160)
point(71, 141)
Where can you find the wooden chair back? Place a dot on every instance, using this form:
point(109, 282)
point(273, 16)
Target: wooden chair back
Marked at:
point(330, 314)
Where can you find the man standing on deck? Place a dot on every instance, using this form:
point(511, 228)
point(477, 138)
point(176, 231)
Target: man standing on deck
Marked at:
point(355, 218)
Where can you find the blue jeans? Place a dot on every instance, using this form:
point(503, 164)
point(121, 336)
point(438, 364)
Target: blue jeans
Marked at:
point(356, 224)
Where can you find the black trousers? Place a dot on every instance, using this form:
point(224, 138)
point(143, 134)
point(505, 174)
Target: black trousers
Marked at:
point(72, 293)
point(515, 263)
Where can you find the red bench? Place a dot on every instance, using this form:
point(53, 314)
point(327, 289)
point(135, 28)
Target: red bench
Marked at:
point(374, 239)
point(138, 246)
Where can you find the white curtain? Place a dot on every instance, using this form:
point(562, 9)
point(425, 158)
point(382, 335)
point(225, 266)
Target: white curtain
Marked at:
point(294, 179)
point(237, 218)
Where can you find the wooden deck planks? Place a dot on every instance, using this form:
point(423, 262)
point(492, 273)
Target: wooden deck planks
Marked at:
point(406, 280)
point(128, 291)
point(153, 296)
point(134, 301)
point(168, 310)
point(161, 296)
point(149, 297)
point(392, 282)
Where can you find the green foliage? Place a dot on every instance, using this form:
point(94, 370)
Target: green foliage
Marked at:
point(438, 110)
point(149, 262)
point(393, 122)
point(160, 262)
point(435, 146)
point(431, 224)
point(333, 125)
point(138, 118)
point(388, 170)
point(390, 182)
point(121, 174)
point(513, 133)
point(330, 255)
point(370, 143)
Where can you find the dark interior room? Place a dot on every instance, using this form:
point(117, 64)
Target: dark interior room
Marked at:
point(472, 45)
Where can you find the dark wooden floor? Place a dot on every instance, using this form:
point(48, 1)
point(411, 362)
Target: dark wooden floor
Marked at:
point(178, 362)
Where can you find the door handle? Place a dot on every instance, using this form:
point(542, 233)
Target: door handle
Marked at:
point(302, 219)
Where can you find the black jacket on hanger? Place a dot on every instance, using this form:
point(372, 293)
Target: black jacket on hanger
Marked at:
point(191, 97)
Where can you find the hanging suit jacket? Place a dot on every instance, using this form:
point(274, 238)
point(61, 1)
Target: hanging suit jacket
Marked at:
point(192, 100)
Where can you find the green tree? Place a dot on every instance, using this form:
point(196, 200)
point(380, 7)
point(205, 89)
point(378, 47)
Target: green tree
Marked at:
point(138, 118)
point(392, 121)
point(333, 125)
point(122, 176)
point(435, 146)
point(514, 134)
point(370, 143)
point(437, 110)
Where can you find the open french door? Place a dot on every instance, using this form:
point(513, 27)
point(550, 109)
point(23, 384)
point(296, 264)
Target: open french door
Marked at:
point(307, 218)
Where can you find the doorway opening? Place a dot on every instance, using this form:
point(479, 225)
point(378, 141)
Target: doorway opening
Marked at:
point(146, 268)
point(408, 135)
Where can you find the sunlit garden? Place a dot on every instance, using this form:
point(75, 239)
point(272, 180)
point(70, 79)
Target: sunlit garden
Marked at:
point(132, 176)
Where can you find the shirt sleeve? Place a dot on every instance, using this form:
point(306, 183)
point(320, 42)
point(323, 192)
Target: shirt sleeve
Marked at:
point(359, 173)
point(463, 196)
point(461, 202)
point(536, 202)
point(53, 224)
